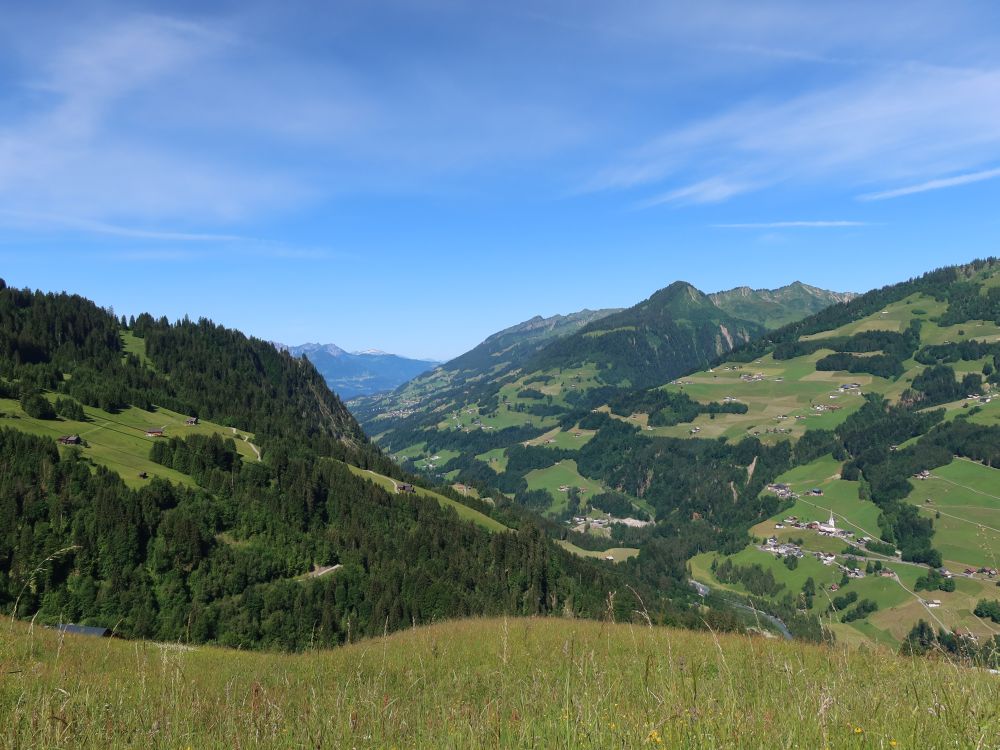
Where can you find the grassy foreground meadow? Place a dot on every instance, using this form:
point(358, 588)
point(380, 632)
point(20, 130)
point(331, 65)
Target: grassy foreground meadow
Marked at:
point(538, 683)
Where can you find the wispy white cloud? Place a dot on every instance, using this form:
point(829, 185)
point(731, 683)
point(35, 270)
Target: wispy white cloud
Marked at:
point(73, 152)
point(936, 184)
point(864, 125)
point(246, 251)
point(153, 256)
point(711, 190)
point(33, 220)
point(794, 225)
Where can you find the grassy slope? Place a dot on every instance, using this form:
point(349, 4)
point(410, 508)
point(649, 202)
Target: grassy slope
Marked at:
point(490, 683)
point(470, 514)
point(563, 473)
point(464, 511)
point(967, 497)
point(618, 554)
point(119, 441)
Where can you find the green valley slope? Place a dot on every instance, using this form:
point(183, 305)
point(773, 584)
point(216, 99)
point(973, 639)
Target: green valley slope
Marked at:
point(917, 472)
point(459, 421)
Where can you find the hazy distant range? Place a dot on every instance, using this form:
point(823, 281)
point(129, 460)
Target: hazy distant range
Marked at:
point(351, 374)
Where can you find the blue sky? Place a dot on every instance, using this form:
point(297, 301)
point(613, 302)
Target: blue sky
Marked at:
point(412, 176)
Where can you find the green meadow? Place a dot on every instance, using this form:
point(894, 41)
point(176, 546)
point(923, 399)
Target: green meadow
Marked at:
point(440, 458)
point(894, 317)
point(496, 459)
point(565, 439)
point(562, 474)
point(964, 501)
point(119, 440)
point(781, 405)
point(521, 683)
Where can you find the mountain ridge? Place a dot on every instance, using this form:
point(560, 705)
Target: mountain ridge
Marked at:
point(780, 306)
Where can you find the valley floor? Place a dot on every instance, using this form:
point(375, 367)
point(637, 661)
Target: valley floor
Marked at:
point(542, 683)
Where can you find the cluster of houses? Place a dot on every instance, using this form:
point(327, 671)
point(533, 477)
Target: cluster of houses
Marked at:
point(784, 549)
point(594, 523)
point(772, 431)
point(827, 528)
point(820, 408)
point(849, 387)
point(407, 408)
point(988, 572)
point(755, 378)
point(70, 440)
point(852, 572)
point(579, 523)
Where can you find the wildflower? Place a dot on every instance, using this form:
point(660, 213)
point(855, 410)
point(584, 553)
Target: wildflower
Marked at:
point(858, 730)
point(893, 743)
point(655, 737)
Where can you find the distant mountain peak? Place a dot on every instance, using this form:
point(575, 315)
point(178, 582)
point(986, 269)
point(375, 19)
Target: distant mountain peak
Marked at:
point(310, 348)
point(361, 373)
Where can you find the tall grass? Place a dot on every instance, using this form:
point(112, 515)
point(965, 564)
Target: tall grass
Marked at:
point(543, 683)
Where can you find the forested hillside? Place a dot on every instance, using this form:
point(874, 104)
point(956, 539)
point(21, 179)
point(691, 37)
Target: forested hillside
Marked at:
point(283, 547)
point(674, 331)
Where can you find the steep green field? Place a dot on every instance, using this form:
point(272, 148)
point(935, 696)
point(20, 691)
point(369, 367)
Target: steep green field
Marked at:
point(545, 683)
point(119, 440)
point(964, 500)
point(895, 316)
point(496, 459)
point(464, 511)
point(616, 554)
point(562, 474)
point(790, 397)
point(566, 439)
